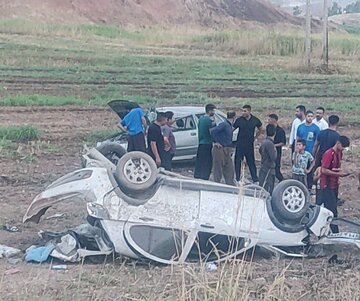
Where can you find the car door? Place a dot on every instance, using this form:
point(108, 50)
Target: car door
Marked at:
point(186, 137)
point(163, 229)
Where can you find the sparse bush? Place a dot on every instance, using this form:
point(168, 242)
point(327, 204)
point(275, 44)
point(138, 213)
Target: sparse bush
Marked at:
point(20, 133)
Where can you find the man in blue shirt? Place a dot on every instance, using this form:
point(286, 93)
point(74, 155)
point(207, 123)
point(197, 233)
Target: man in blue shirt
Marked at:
point(309, 132)
point(134, 123)
point(222, 150)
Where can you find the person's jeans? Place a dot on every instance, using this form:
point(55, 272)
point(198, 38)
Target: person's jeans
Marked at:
point(278, 173)
point(329, 198)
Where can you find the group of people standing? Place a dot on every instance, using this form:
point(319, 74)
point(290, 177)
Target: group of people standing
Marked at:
point(316, 145)
point(317, 148)
point(161, 144)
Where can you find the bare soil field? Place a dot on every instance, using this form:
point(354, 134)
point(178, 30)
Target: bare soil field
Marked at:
point(26, 173)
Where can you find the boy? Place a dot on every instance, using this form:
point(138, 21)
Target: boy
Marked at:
point(268, 160)
point(309, 132)
point(301, 160)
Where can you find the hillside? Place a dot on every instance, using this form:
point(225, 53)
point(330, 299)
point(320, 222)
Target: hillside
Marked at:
point(347, 19)
point(145, 12)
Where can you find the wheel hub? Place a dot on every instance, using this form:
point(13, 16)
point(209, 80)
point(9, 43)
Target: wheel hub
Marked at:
point(293, 199)
point(137, 171)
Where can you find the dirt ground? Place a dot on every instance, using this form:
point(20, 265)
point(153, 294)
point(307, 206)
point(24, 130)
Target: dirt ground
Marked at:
point(22, 178)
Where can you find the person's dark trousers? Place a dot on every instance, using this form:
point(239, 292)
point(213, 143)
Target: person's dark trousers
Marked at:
point(166, 160)
point(319, 200)
point(310, 177)
point(318, 161)
point(278, 173)
point(249, 155)
point(329, 198)
point(267, 179)
point(203, 164)
point(300, 178)
point(293, 147)
point(136, 143)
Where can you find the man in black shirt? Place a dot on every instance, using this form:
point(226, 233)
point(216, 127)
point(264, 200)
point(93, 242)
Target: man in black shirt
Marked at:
point(155, 139)
point(246, 124)
point(326, 139)
point(279, 141)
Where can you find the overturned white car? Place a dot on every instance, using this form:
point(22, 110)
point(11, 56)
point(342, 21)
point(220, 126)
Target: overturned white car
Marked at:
point(146, 213)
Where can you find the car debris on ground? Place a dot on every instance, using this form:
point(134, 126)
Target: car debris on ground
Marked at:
point(10, 228)
point(8, 252)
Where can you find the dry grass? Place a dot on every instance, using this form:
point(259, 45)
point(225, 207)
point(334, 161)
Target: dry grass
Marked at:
point(271, 279)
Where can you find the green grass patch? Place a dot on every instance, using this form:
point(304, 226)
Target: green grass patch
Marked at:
point(352, 29)
point(39, 100)
point(20, 133)
point(7, 148)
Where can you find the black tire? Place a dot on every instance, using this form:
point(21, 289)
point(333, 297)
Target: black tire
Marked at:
point(112, 151)
point(290, 201)
point(136, 171)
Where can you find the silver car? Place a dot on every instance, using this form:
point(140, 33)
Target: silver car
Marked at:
point(141, 212)
point(185, 130)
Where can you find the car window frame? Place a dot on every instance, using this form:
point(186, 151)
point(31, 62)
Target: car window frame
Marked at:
point(176, 129)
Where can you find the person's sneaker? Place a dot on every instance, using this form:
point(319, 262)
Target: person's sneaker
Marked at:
point(256, 182)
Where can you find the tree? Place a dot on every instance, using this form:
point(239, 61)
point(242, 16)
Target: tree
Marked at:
point(335, 9)
point(297, 11)
point(353, 8)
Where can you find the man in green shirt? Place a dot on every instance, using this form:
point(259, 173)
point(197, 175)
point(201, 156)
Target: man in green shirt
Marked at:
point(203, 164)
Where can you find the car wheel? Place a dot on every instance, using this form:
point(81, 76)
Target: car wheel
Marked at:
point(136, 171)
point(290, 200)
point(112, 151)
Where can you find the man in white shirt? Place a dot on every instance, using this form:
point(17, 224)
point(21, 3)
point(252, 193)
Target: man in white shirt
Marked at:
point(300, 117)
point(319, 120)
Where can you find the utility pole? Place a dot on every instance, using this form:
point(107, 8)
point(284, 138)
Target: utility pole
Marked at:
point(325, 46)
point(308, 34)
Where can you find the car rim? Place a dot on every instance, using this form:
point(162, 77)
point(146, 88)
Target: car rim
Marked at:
point(137, 171)
point(293, 199)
